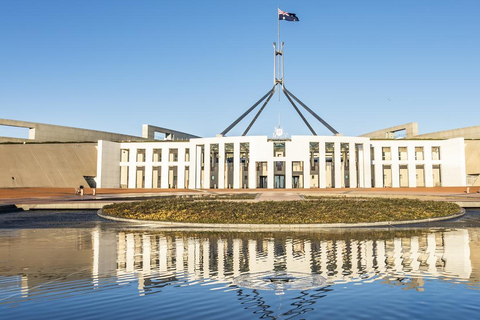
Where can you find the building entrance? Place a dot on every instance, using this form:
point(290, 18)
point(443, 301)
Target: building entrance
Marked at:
point(263, 182)
point(279, 182)
point(295, 182)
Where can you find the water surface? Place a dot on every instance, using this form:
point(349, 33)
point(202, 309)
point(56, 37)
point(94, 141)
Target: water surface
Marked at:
point(87, 268)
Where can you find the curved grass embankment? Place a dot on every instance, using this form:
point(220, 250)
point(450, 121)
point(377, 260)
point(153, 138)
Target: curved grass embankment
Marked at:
point(328, 210)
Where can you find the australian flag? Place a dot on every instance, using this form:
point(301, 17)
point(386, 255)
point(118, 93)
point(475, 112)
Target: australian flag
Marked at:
point(282, 15)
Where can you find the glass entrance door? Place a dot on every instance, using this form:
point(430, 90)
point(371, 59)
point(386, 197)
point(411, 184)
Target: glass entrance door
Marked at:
point(279, 182)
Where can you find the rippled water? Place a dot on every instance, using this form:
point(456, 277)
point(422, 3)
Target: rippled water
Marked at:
point(119, 273)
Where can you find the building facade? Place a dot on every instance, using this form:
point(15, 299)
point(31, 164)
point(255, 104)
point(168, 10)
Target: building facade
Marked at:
point(251, 162)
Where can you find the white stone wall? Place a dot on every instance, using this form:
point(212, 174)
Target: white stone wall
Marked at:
point(452, 161)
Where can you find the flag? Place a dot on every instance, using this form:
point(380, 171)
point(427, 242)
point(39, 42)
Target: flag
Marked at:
point(282, 15)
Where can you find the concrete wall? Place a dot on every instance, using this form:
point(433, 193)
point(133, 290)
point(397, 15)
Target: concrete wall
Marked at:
point(47, 165)
point(466, 133)
point(411, 130)
point(40, 132)
point(108, 159)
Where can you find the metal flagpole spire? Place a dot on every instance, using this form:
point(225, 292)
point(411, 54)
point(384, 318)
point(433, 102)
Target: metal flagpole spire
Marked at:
point(278, 79)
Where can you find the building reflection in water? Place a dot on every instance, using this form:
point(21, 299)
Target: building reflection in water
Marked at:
point(37, 263)
point(219, 258)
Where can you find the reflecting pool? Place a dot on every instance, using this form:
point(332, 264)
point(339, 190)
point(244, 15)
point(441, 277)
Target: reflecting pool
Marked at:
point(122, 272)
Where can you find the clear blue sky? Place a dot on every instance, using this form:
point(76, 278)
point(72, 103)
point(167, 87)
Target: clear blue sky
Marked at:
point(195, 66)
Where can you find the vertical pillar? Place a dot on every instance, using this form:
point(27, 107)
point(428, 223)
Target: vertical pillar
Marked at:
point(252, 172)
point(366, 166)
point(427, 154)
point(148, 167)
point(221, 165)
point(337, 164)
point(412, 168)
point(164, 168)
point(321, 165)
point(236, 165)
point(378, 167)
point(288, 174)
point(181, 168)
point(206, 172)
point(198, 167)
point(132, 168)
point(270, 174)
point(306, 167)
point(352, 174)
point(395, 167)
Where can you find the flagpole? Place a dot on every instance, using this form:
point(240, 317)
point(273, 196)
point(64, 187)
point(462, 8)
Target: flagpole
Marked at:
point(278, 46)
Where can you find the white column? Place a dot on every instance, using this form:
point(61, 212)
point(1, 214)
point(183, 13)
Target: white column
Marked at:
point(252, 171)
point(288, 174)
point(132, 168)
point(236, 165)
point(221, 165)
point(378, 167)
point(366, 166)
point(338, 164)
point(352, 175)
point(148, 167)
point(206, 173)
point(164, 168)
point(270, 174)
point(427, 154)
point(198, 167)
point(412, 169)
point(321, 165)
point(395, 167)
point(181, 168)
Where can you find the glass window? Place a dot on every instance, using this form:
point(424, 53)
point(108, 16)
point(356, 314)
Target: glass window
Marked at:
point(279, 149)
point(418, 153)
point(140, 155)
point(386, 153)
point(124, 155)
point(435, 153)
point(157, 155)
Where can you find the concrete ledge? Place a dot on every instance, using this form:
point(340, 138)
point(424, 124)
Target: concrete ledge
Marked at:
point(273, 227)
point(64, 206)
point(468, 204)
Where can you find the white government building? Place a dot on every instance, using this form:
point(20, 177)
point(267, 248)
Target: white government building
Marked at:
point(251, 162)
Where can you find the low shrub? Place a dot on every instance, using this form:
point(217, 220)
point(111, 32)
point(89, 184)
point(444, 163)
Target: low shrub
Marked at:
point(340, 210)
